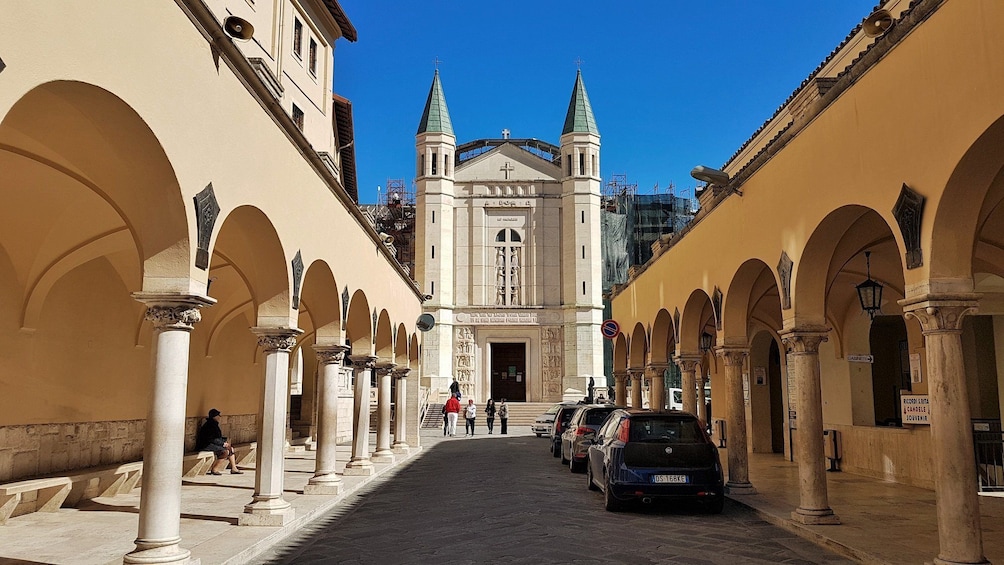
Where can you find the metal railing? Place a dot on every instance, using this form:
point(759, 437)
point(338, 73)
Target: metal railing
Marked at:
point(988, 441)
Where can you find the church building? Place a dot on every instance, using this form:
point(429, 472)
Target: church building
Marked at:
point(508, 249)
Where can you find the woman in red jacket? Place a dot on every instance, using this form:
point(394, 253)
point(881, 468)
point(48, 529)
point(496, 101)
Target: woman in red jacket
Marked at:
point(452, 409)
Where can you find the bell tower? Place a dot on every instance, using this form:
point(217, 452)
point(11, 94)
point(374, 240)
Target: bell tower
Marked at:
point(435, 151)
point(581, 263)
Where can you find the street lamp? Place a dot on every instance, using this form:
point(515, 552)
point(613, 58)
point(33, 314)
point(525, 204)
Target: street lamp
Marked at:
point(707, 340)
point(870, 292)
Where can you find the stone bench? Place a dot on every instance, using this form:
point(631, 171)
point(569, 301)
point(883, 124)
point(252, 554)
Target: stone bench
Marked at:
point(49, 494)
point(199, 462)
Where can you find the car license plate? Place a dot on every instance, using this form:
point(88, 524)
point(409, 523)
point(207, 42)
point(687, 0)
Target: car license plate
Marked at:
point(669, 478)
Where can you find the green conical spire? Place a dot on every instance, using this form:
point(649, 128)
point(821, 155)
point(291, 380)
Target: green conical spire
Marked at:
point(436, 117)
point(580, 114)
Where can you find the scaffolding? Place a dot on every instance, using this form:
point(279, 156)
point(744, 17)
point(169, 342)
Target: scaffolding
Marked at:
point(394, 215)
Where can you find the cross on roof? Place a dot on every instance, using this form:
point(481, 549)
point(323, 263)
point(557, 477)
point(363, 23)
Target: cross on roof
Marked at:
point(578, 63)
point(507, 168)
point(436, 62)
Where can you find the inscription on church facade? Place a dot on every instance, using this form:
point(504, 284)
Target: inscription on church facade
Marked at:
point(506, 318)
point(507, 203)
point(464, 361)
point(551, 365)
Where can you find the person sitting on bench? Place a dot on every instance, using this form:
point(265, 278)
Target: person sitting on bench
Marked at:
point(211, 438)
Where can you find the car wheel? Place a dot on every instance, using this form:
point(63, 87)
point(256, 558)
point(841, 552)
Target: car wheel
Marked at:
point(538, 435)
point(563, 460)
point(589, 478)
point(555, 449)
point(574, 466)
point(609, 502)
point(716, 504)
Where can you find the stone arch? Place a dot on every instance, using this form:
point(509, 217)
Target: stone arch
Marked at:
point(978, 177)
point(638, 353)
point(384, 341)
point(247, 252)
point(754, 288)
point(696, 316)
point(833, 263)
point(320, 304)
point(359, 325)
point(663, 344)
point(620, 353)
point(413, 352)
point(95, 165)
point(401, 343)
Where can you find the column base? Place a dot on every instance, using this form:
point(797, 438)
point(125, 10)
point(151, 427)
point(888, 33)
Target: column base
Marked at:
point(328, 488)
point(824, 517)
point(739, 488)
point(361, 468)
point(383, 456)
point(401, 449)
point(147, 553)
point(296, 449)
point(939, 561)
point(268, 512)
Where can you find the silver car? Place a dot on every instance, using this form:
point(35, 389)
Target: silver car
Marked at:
point(542, 425)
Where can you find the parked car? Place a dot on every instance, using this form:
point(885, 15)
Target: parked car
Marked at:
point(638, 455)
point(573, 442)
point(542, 425)
point(561, 418)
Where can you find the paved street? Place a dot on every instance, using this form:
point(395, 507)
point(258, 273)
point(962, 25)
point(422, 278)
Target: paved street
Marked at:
point(504, 499)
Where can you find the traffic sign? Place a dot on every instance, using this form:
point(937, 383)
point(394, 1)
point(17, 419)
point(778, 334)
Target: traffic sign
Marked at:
point(610, 329)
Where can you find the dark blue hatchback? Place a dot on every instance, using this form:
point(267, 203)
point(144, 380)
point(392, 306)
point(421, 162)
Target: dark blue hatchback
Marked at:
point(638, 455)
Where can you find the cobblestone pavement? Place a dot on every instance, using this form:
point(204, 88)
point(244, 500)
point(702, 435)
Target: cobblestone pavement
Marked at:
point(505, 499)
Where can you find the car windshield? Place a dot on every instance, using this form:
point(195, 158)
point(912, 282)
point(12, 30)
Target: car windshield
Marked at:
point(554, 409)
point(664, 430)
point(596, 417)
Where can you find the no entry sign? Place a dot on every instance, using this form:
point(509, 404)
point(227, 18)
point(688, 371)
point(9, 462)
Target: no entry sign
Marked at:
point(610, 329)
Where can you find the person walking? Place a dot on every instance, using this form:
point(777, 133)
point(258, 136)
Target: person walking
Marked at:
point(452, 410)
point(455, 389)
point(470, 413)
point(504, 415)
point(490, 415)
point(446, 422)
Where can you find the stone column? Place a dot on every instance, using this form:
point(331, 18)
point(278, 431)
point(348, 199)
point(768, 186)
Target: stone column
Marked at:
point(955, 480)
point(383, 453)
point(401, 413)
point(802, 345)
point(636, 385)
point(688, 381)
point(267, 506)
point(329, 361)
point(620, 388)
point(173, 318)
point(360, 463)
point(656, 373)
point(734, 359)
point(702, 400)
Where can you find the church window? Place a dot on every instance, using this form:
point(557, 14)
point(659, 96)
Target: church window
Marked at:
point(582, 163)
point(508, 264)
point(298, 117)
point(421, 165)
point(583, 288)
point(434, 162)
point(595, 164)
point(583, 216)
point(446, 164)
point(312, 54)
point(432, 287)
point(433, 216)
point(297, 38)
point(433, 251)
point(583, 251)
point(569, 159)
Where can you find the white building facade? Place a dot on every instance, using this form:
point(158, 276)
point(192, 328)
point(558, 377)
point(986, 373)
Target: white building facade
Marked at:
point(508, 247)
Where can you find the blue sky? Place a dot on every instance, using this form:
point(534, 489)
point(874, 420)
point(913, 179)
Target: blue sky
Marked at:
point(672, 84)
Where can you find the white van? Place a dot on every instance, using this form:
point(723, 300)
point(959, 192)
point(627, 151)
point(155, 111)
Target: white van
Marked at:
point(676, 397)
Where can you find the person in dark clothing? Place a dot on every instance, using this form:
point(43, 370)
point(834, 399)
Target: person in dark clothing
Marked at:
point(455, 389)
point(503, 413)
point(211, 438)
point(490, 415)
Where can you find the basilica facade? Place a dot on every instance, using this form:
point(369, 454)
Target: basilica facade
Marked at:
point(508, 249)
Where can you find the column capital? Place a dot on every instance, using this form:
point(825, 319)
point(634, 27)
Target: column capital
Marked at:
point(173, 311)
point(384, 367)
point(362, 362)
point(804, 339)
point(687, 362)
point(733, 356)
point(330, 354)
point(655, 370)
point(400, 372)
point(276, 338)
point(940, 313)
point(636, 372)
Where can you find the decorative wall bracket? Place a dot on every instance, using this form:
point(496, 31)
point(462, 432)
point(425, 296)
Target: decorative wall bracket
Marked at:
point(297, 265)
point(784, 268)
point(716, 303)
point(909, 211)
point(206, 211)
